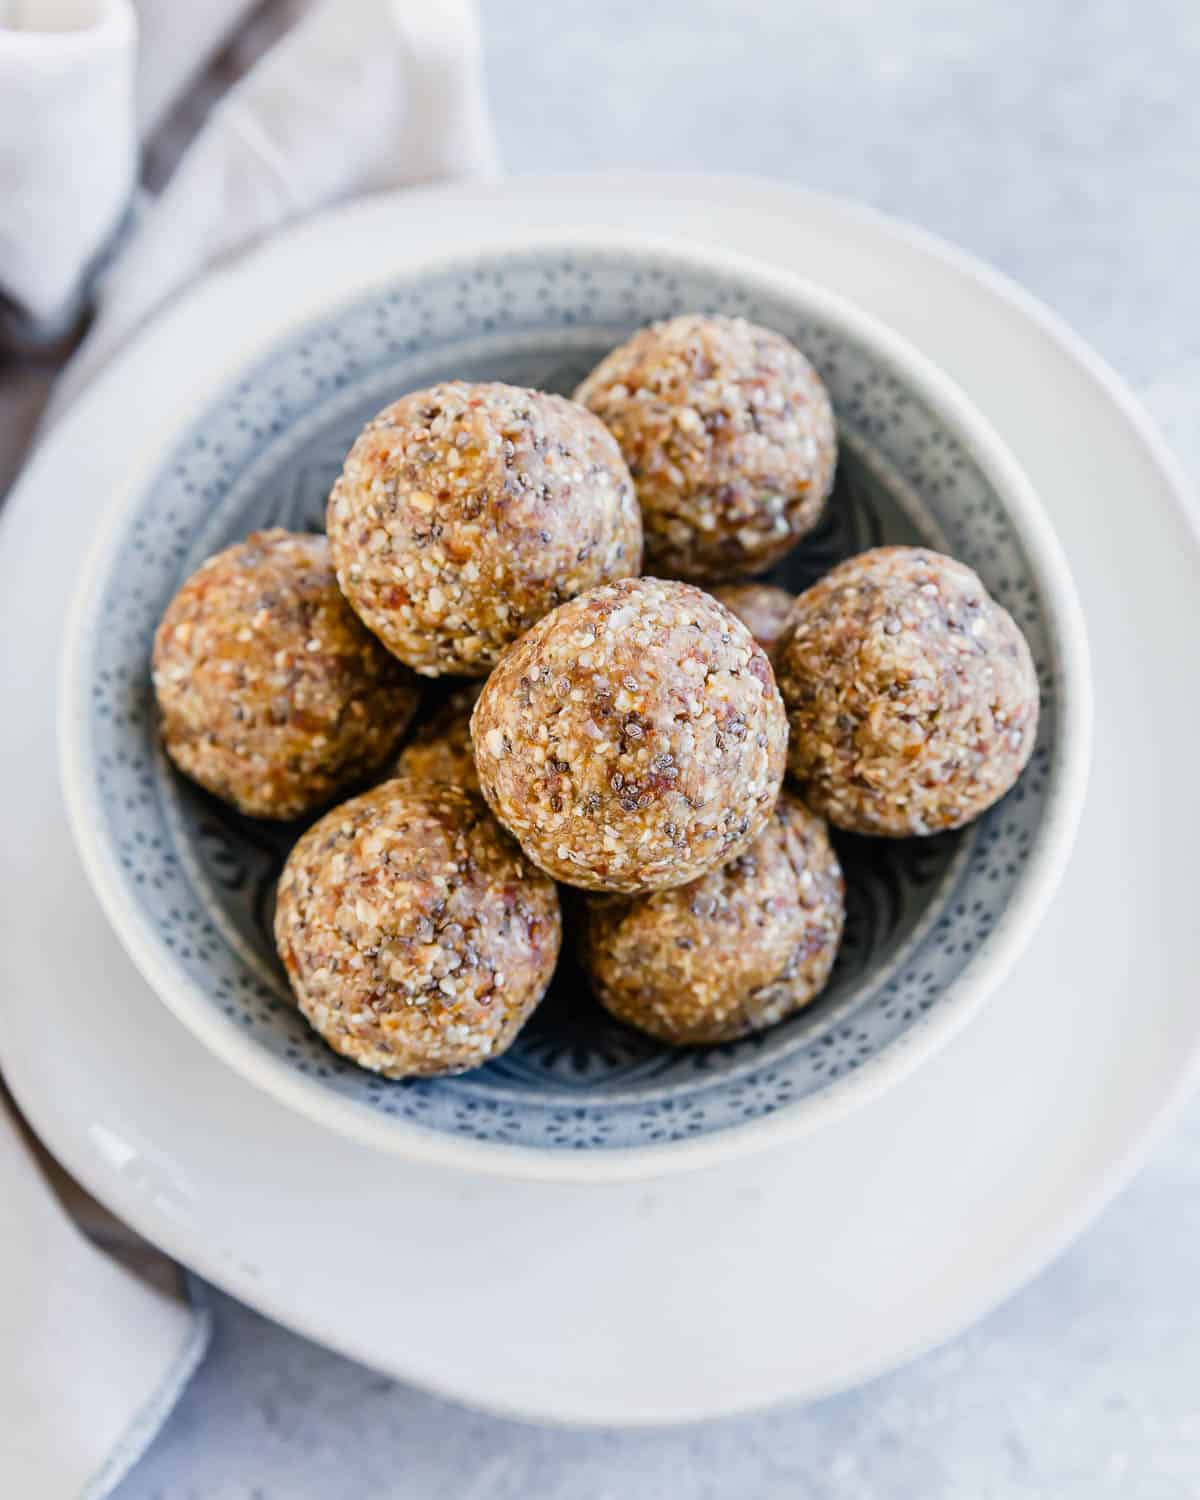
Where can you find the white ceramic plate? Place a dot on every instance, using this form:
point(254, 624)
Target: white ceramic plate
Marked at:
point(797, 1272)
point(932, 927)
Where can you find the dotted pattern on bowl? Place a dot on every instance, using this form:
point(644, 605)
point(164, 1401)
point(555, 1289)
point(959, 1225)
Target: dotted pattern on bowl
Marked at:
point(266, 453)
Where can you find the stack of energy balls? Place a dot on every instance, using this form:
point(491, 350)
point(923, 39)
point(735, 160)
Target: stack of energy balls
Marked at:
point(621, 734)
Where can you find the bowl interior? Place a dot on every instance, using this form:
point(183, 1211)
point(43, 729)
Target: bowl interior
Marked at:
point(197, 880)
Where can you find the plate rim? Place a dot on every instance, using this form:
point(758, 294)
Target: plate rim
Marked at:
point(803, 210)
point(850, 1091)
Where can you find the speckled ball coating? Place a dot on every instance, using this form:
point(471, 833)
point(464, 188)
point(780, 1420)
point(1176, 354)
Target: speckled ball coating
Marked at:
point(440, 748)
point(416, 937)
point(729, 435)
point(466, 512)
point(633, 739)
point(762, 608)
point(912, 695)
point(272, 693)
point(733, 952)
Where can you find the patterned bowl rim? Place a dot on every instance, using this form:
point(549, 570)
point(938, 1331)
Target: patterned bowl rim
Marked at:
point(995, 957)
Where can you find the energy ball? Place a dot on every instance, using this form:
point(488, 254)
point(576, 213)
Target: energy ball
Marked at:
point(417, 938)
point(730, 438)
point(733, 952)
point(762, 608)
point(633, 739)
point(440, 749)
point(912, 695)
point(272, 693)
point(464, 513)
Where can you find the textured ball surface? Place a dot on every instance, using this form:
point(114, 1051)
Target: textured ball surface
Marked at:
point(912, 695)
point(416, 937)
point(733, 952)
point(729, 435)
point(464, 513)
point(633, 739)
point(272, 693)
point(762, 608)
point(440, 749)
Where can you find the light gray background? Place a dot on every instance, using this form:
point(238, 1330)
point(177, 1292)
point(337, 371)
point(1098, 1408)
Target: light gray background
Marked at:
point(1060, 140)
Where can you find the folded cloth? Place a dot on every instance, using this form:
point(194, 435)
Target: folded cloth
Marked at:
point(95, 1355)
point(362, 95)
point(68, 147)
point(359, 95)
point(175, 44)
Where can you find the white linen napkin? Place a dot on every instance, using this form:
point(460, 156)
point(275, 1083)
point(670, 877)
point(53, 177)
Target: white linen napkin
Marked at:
point(94, 1354)
point(68, 146)
point(362, 95)
point(359, 95)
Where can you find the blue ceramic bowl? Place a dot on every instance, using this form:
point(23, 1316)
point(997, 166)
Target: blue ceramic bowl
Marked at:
point(932, 924)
